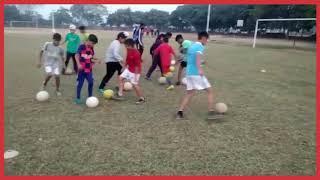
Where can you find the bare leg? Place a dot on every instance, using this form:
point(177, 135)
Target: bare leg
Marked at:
point(186, 99)
point(120, 81)
point(138, 90)
point(210, 99)
point(57, 83)
point(48, 77)
point(179, 73)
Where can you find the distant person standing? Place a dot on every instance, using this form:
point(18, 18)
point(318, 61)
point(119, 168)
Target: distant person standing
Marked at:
point(83, 34)
point(73, 42)
point(137, 37)
point(152, 32)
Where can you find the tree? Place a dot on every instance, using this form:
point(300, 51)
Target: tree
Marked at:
point(88, 14)
point(62, 16)
point(11, 13)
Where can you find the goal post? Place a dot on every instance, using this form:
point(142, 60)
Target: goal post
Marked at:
point(22, 24)
point(263, 20)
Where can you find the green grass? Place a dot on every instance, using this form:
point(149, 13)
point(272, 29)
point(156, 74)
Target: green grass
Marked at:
point(269, 129)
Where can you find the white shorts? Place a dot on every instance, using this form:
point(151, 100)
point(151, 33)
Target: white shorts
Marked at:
point(52, 70)
point(197, 83)
point(130, 76)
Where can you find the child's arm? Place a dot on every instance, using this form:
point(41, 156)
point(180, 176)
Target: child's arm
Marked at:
point(78, 62)
point(95, 60)
point(198, 56)
point(40, 59)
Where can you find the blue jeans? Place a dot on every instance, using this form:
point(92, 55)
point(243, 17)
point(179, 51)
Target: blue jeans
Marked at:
point(81, 77)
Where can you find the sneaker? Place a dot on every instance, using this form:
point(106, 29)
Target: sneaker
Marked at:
point(77, 101)
point(101, 91)
point(178, 83)
point(141, 100)
point(148, 78)
point(170, 87)
point(212, 115)
point(58, 93)
point(179, 115)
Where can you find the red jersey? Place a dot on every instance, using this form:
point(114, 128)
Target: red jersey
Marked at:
point(165, 51)
point(133, 60)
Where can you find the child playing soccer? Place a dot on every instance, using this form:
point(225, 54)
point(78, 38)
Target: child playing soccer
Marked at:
point(73, 42)
point(132, 70)
point(184, 45)
point(83, 34)
point(155, 59)
point(113, 59)
point(85, 60)
point(195, 77)
point(52, 56)
point(165, 51)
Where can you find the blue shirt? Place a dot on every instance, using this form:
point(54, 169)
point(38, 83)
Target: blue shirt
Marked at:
point(193, 50)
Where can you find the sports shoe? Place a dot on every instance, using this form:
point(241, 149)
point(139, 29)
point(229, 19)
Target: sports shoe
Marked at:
point(179, 115)
point(58, 93)
point(148, 78)
point(101, 91)
point(212, 115)
point(77, 101)
point(178, 83)
point(141, 100)
point(170, 87)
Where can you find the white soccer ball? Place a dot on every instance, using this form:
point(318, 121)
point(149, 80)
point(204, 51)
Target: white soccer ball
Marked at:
point(173, 62)
point(42, 96)
point(263, 70)
point(221, 107)
point(92, 102)
point(162, 80)
point(127, 86)
point(184, 81)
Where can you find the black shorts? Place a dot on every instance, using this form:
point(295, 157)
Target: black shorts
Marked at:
point(113, 67)
point(183, 64)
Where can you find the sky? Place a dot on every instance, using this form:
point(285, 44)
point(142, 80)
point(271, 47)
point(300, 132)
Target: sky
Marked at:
point(45, 10)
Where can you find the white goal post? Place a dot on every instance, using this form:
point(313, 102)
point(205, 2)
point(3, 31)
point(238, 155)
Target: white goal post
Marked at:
point(288, 19)
point(23, 22)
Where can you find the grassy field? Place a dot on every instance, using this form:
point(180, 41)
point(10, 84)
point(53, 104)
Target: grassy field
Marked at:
point(269, 129)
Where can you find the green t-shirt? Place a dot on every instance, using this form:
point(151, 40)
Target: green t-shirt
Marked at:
point(185, 45)
point(73, 42)
point(84, 37)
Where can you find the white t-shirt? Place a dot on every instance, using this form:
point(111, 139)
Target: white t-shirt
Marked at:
point(113, 52)
point(52, 54)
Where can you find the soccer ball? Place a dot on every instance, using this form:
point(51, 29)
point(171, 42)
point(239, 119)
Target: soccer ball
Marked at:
point(172, 68)
point(221, 107)
point(173, 62)
point(263, 70)
point(184, 81)
point(127, 86)
point(42, 96)
point(108, 93)
point(162, 80)
point(92, 102)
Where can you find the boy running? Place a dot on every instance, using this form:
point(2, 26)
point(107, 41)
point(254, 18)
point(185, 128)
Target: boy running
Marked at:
point(184, 45)
point(52, 56)
point(132, 70)
point(113, 59)
point(73, 42)
point(83, 34)
point(195, 77)
point(85, 60)
point(137, 37)
point(165, 51)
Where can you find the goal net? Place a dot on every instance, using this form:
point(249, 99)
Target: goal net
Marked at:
point(23, 24)
point(285, 32)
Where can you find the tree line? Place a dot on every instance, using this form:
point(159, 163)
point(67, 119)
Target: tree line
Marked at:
point(183, 17)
